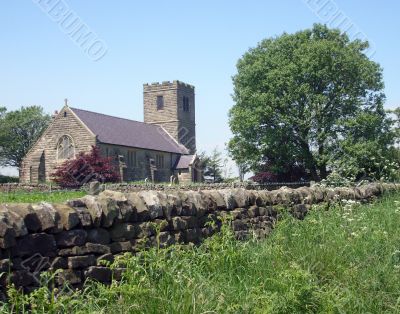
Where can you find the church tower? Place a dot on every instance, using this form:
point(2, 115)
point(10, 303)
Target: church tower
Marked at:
point(172, 106)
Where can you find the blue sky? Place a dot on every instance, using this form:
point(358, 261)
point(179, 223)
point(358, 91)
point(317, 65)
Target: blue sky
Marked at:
point(198, 42)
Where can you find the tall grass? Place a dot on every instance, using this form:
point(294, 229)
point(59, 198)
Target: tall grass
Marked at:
point(342, 260)
point(35, 197)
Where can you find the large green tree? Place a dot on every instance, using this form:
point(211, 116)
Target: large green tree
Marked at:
point(19, 130)
point(301, 99)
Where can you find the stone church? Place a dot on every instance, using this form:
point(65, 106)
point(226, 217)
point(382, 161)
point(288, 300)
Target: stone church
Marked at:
point(160, 149)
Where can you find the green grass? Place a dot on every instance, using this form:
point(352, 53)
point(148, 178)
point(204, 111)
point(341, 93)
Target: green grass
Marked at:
point(35, 197)
point(342, 260)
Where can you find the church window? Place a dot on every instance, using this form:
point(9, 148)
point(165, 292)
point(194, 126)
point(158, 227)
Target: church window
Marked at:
point(65, 148)
point(160, 161)
point(131, 159)
point(185, 103)
point(160, 102)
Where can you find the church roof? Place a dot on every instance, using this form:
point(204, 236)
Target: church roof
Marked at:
point(130, 133)
point(184, 161)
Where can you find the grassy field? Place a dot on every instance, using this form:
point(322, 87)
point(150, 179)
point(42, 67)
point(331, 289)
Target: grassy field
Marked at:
point(35, 197)
point(342, 260)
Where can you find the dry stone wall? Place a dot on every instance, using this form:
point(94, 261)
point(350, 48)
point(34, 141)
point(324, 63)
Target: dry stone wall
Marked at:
point(77, 236)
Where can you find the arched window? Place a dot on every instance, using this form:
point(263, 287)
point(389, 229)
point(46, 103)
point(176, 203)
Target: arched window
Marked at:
point(65, 148)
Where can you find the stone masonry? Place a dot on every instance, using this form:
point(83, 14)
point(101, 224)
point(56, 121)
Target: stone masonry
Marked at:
point(41, 160)
point(77, 236)
point(180, 124)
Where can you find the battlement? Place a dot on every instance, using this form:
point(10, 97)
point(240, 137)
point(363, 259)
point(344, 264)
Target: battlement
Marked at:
point(171, 104)
point(166, 84)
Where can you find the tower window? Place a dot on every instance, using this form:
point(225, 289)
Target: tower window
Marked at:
point(160, 102)
point(185, 104)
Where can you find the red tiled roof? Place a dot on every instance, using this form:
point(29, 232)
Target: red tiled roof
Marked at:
point(130, 133)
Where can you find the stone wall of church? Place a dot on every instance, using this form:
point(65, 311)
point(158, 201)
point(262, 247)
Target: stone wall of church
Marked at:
point(40, 162)
point(137, 161)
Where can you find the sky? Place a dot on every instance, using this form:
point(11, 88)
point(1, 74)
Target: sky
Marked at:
point(131, 43)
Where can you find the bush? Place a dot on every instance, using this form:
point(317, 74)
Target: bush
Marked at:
point(8, 179)
point(85, 168)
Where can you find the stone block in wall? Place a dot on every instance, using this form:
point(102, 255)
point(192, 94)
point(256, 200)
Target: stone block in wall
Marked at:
point(253, 211)
point(85, 219)
point(210, 218)
point(242, 198)
point(98, 235)
point(124, 231)
point(229, 198)
point(153, 201)
point(99, 273)
point(183, 222)
point(197, 202)
point(192, 235)
point(59, 263)
point(138, 204)
point(88, 248)
point(48, 218)
point(318, 194)
point(76, 203)
point(187, 208)
point(69, 276)
point(97, 248)
point(93, 208)
point(263, 198)
point(68, 216)
point(208, 231)
point(370, 190)
point(81, 261)
point(239, 224)
point(31, 244)
point(306, 197)
point(165, 239)
point(217, 198)
point(7, 231)
point(122, 246)
point(70, 238)
point(21, 278)
point(146, 229)
point(27, 214)
point(5, 265)
point(126, 211)
point(300, 210)
point(105, 258)
point(109, 208)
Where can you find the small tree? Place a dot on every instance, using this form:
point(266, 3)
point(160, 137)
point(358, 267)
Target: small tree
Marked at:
point(86, 167)
point(213, 165)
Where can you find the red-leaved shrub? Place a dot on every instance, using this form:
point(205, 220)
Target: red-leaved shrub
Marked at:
point(86, 167)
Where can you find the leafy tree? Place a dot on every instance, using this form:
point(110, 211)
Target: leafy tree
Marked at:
point(212, 165)
point(86, 167)
point(19, 130)
point(304, 99)
point(3, 110)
